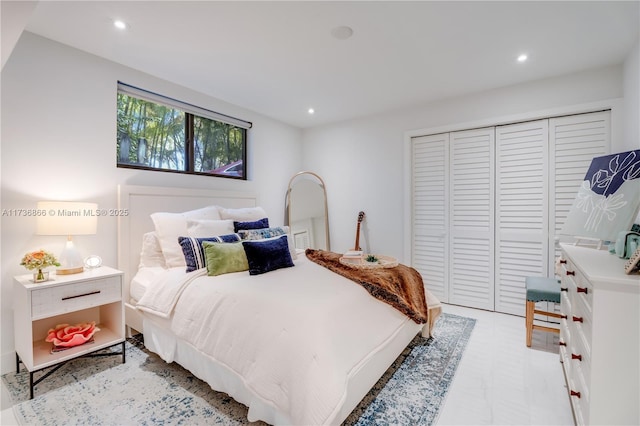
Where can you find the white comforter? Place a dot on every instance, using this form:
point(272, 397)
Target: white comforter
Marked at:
point(295, 335)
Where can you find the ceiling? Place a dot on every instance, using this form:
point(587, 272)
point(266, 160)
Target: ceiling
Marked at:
point(280, 58)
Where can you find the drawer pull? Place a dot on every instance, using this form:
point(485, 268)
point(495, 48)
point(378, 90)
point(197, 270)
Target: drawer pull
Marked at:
point(81, 295)
point(564, 289)
point(577, 319)
point(574, 393)
point(578, 357)
point(562, 343)
point(571, 272)
point(563, 261)
point(584, 290)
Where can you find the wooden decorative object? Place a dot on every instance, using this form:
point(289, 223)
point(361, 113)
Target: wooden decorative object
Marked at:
point(357, 244)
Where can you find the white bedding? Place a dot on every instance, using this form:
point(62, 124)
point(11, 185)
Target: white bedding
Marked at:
point(143, 280)
point(294, 335)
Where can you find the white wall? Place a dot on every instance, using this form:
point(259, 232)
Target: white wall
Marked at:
point(363, 165)
point(59, 140)
point(14, 16)
point(631, 86)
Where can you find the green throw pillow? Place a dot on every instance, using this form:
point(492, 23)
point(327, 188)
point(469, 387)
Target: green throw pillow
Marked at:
point(223, 258)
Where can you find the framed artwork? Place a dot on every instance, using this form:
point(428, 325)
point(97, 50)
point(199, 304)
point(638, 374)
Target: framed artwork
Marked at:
point(608, 198)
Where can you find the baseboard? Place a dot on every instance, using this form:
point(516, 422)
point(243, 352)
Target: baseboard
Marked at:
point(7, 362)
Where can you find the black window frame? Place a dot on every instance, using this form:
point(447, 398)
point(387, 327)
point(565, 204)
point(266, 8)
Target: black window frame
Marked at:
point(190, 113)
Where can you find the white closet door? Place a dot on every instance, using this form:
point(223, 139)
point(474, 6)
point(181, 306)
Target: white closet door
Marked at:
point(430, 216)
point(521, 211)
point(484, 215)
point(573, 140)
point(471, 274)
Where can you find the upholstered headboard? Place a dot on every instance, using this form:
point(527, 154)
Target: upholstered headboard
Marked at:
point(141, 201)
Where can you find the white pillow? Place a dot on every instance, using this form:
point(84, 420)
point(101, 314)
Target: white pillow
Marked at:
point(170, 226)
point(246, 214)
point(208, 228)
point(151, 252)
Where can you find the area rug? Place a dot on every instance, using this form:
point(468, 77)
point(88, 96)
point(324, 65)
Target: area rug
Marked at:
point(147, 391)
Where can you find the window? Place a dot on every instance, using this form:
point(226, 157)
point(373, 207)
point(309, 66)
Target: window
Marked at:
point(160, 133)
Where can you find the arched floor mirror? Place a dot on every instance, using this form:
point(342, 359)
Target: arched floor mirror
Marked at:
point(306, 211)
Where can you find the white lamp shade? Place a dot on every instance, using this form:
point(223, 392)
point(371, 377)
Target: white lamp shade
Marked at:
point(67, 218)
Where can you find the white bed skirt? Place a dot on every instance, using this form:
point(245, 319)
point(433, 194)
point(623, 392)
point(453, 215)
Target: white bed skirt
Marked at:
point(223, 379)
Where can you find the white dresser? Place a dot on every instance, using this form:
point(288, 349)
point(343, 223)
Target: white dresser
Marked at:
point(600, 336)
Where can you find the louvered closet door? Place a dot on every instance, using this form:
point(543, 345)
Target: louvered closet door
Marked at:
point(471, 274)
point(521, 211)
point(573, 140)
point(430, 215)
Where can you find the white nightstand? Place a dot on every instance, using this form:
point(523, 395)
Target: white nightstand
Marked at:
point(93, 295)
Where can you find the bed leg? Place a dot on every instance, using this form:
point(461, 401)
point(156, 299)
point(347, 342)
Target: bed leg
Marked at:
point(425, 331)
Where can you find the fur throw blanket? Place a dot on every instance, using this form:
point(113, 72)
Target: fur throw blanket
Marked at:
point(400, 287)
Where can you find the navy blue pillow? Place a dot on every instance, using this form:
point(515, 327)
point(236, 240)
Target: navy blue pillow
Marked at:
point(267, 255)
point(194, 252)
point(258, 224)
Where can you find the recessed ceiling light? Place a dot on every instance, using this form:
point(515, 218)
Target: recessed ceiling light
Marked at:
point(342, 32)
point(119, 24)
point(522, 58)
point(311, 111)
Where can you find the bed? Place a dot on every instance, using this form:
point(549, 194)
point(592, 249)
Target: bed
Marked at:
point(297, 344)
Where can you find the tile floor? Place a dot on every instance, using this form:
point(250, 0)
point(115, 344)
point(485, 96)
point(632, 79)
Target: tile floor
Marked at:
point(499, 380)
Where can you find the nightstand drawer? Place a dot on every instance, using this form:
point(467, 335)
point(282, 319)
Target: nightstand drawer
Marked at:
point(76, 296)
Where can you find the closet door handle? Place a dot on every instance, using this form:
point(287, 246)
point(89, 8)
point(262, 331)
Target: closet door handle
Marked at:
point(564, 289)
point(563, 261)
point(578, 357)
point(561, 343)
point(562, 316)
point(584, 290)
point(577, 319)
point(571, 272)
point(574, 393)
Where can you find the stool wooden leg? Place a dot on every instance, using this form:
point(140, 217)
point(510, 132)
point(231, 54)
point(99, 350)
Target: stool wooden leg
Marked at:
point(529, 321)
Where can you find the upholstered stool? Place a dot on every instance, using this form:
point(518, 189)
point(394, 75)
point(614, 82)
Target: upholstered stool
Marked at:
point(540, 289)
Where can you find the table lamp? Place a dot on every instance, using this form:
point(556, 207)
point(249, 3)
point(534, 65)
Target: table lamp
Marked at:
point(67, 218)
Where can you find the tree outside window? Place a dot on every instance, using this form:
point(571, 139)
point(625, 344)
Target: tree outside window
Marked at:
point(155, 136)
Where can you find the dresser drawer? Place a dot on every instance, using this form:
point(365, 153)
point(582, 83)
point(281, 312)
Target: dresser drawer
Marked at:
point(76, 296)
point(582, 322)
point(578, 282)
point(580, 359)
point(565, 329)
point(579, 395)
point(564, 343)
point(583, 291)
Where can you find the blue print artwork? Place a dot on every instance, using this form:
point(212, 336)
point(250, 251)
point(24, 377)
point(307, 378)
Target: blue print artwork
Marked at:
point(608, 199)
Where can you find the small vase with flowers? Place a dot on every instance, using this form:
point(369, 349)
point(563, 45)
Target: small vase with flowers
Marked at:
point(39, 260)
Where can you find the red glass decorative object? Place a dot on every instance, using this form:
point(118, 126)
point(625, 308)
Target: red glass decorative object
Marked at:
point(66, 336)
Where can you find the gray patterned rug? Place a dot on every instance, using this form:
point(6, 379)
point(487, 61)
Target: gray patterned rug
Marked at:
point(147, 391)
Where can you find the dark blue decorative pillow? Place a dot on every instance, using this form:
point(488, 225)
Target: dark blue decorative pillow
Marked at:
point(194, 252)
point(267, 255)
point(258, 224)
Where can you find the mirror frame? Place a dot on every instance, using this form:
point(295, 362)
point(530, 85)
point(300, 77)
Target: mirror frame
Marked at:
point(324, 192)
